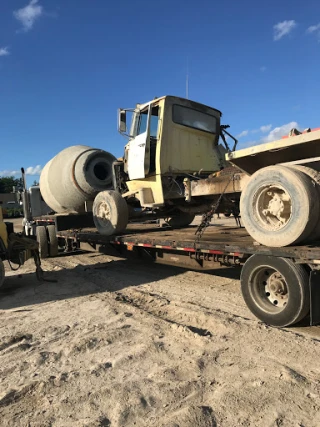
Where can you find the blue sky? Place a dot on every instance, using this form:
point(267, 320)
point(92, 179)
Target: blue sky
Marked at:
point(66, 66)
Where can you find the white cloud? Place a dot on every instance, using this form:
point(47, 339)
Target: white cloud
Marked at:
point(273, 135)
point(243, 133)
point(31, 170)
point(263, 68)
point(279, 132)
point(34, 170)
point(265, 128)
point(28, 14)
point(314, 29)
point(4, 51)
point(282, 29)
point(8, 172)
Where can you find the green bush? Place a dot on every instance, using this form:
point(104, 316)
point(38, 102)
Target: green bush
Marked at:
point(14, 212)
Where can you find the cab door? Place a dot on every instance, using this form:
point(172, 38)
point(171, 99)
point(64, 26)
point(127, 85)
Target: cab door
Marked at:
point(139, 147)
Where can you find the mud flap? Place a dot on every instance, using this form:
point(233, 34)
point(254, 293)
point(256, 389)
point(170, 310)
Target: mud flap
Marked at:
point(314, 286)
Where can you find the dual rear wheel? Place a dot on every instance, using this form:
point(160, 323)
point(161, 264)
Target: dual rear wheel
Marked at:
point(47, 240)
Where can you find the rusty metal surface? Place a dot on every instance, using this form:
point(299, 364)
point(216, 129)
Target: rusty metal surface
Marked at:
point(216, 185)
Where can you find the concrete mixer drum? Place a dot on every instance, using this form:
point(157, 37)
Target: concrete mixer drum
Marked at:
point(75, 176)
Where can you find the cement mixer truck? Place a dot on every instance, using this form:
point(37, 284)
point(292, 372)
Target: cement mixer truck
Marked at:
point(173, 168)
point(177, 163)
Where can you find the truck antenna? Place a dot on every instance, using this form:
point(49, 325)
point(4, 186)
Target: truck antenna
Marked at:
point(187, 80)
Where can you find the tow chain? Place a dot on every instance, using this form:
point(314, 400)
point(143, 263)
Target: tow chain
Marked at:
point(207, 217)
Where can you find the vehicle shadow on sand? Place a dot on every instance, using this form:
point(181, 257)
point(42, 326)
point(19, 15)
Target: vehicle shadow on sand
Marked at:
point(21, 290)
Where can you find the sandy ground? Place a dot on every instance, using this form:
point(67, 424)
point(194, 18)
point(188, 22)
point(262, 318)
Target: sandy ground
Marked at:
point(125, 343)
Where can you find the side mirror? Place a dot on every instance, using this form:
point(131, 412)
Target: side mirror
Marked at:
point(122, 121)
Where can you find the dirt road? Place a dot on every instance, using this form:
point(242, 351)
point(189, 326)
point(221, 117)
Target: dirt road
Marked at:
point(119, 343)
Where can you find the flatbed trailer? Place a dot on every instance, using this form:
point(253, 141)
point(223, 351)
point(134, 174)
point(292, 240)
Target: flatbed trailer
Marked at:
point(281, 286)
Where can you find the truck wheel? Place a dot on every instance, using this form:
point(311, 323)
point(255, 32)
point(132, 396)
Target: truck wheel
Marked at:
point(275, 289)
point(182, 220)
point(2, 273)
point(53, 241)
point(279, 206)
point(110, 213)
point(315, 178)
point(42, 239)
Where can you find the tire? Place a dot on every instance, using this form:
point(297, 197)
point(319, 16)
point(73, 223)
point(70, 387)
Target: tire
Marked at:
point(183, 219)
point(261, 212)
point(2, 273)
point(42, 239)
point(110, 213)
point(315, 177)
point(261, 275)
point(53, 241)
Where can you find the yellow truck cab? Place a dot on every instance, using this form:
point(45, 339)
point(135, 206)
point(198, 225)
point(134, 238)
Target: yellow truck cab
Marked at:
point(169, 137)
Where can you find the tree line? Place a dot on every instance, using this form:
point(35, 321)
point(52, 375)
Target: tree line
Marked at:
point(8, 182)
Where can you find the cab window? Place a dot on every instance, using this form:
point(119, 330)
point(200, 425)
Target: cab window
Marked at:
point(142, 122)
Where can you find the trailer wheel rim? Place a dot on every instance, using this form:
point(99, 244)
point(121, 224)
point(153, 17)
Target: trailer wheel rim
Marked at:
point(269, 289)
point(273, 207)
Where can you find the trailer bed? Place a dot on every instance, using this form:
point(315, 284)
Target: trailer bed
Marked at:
point(217, 239)
point(229, 246)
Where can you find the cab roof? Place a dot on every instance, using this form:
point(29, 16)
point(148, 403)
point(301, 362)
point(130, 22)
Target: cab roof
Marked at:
point(195, 105)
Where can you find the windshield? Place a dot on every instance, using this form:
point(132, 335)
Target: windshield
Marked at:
point(195, 119)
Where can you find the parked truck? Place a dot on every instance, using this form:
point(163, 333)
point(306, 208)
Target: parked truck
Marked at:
point(169, 169)
point(177, 163)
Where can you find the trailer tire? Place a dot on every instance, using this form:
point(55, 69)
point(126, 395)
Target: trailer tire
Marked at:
point(2, 273)
point(110, 213)
point(53, 241)
point(275, 289)
point(42, 239)
point(183, 219)
point(315, 177)
point(279, 206)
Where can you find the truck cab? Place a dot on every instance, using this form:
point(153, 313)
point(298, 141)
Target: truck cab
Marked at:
point(169, 138)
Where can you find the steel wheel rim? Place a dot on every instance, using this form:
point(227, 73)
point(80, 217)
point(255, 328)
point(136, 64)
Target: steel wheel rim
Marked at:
point(272, 207)
point(269, 290)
